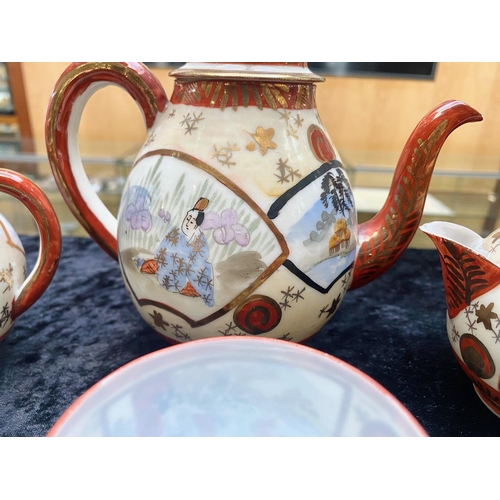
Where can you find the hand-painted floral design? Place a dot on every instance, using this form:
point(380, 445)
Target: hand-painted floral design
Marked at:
point(137, 212)
point(225, 227)
point(164, 215)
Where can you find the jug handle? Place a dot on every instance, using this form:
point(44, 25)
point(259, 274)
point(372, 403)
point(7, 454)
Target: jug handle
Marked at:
point(67, 102)
point(35, 200)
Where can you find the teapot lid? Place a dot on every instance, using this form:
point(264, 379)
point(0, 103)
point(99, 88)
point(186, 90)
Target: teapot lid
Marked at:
point(267, 71)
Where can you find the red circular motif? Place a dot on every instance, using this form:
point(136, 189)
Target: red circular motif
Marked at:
point(320, 145)
point(476, 356)
point(258, 314)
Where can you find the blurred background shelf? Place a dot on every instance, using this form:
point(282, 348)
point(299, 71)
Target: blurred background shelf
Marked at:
point(368, 115)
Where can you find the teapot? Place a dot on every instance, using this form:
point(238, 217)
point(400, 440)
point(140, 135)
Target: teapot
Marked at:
point(18, 292)
point(237, 217)
point(470, 266)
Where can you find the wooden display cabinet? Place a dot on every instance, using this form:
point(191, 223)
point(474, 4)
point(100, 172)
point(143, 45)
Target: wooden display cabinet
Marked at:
point(16, 134)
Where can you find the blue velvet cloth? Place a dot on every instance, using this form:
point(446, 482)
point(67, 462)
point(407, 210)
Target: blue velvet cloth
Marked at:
point(85, 326)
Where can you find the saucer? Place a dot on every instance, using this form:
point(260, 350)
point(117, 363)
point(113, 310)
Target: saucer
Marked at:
point(237, 386)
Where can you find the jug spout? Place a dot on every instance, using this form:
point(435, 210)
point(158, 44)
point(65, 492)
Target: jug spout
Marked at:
point(466, 263)
point(385, 237)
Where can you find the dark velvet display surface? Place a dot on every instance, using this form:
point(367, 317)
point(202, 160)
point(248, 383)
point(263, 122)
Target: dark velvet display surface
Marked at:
point(85, 326)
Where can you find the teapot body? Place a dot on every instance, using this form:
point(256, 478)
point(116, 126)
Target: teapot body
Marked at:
point(237, 217)
point(12, 272)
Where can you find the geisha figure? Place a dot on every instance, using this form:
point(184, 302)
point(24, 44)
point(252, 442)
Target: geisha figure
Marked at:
point(180, 261)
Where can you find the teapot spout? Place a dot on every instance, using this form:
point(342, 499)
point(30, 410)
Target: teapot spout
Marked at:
point(386, 236)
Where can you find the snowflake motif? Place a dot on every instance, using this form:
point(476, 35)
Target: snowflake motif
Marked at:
point(4, 315)
point(230, 330)
point(288, 293)
point(286, 337)
point(285, 115)
point(298, 295)
point(197, 245)
point(6, 276)
point(172, 114)
point(496, 336)
point(297, 121)
point(179, 334)
point(470, 323)
point(225, 154)
point(173, 237)
point(181, 264)
point(151, 138)
point(191, 258)
point(189, 122)
point(290, 296)
point(174, 258)
point(202, 278)
point(286, 172)
point(455, 336)
point(161, 257)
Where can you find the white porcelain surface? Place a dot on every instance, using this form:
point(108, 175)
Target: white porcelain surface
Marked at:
point(237, 386)
point(12, 272)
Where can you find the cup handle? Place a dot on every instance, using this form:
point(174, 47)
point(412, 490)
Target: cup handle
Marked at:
point(35, 200)
point(69, 97)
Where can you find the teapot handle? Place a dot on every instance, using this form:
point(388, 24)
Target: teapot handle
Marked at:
point(69, 97)
point(35, 200)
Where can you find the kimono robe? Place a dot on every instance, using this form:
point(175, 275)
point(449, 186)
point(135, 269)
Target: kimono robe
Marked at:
point(182, 266)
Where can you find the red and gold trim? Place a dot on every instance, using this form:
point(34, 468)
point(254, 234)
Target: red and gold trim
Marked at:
point(140, 84)
point(222, 94)
point(385, 237)
point(35, 200)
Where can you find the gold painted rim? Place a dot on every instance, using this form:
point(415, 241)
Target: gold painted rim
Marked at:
point(209, 74)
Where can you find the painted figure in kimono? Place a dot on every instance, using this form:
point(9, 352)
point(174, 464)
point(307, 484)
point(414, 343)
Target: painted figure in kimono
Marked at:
point(181, 260)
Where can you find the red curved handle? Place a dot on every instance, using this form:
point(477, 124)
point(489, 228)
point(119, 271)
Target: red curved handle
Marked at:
point(35, 200)
point(69, 97)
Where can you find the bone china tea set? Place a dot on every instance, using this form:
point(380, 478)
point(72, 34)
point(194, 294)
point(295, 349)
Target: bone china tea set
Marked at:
point(238, 219)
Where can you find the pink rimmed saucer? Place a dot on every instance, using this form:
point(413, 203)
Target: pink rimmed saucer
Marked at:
point(237, 386)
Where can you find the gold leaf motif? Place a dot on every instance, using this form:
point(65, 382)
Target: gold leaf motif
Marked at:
point(235, 97)
point(245, 97)
point(279, 97)
point(268, 96)
point(225, 97)
point(263, 139)
point(303, 97)
point(191, 92)
point(283, 87)
point(250, 146)
point(256, 95)
point(206, 87)
point(215, 95)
